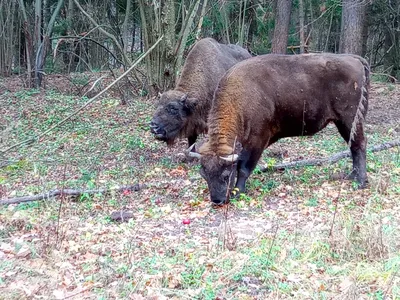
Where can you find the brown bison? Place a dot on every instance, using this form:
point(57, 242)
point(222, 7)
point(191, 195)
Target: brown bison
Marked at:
point(269, 97)
point(183, 111)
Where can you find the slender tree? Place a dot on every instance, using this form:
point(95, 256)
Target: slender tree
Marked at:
point(282, 21)
point(353, 17)
point(301, 23)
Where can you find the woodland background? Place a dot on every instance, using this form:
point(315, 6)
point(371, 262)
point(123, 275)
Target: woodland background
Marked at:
point(118, 215)
point(41, 37)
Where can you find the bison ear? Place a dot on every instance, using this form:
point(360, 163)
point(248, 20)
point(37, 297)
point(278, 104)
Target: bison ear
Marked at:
point(189, 104)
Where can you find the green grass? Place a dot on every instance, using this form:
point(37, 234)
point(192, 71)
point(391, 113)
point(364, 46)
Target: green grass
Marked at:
point(318, 236)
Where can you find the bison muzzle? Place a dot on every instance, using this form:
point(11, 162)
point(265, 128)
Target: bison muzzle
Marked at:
point(269, 97)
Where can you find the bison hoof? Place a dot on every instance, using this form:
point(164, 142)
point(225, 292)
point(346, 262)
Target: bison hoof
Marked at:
point(361, 181)
point(236, 192)
point(362, 184)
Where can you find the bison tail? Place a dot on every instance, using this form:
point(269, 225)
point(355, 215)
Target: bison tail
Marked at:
point(362, 107)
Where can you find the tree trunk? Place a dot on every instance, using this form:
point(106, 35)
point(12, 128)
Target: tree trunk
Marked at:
point(202, 14)
point(241, 24)
point(252, 15)
point(41, 52)
point(28, 42)
point(301, 23)
point(7, 36)
point(38, 23)
point(351, 34)
point(183, 37)
point(282, 17)
point(125, 37)
point(225, 17)
point(392, 42)
point(167, 74)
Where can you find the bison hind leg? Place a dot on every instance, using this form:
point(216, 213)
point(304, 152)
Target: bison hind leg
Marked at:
point(358, 147)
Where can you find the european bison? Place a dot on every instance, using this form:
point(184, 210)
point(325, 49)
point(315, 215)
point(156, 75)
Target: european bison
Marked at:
point(183, 111)
point(269, 97)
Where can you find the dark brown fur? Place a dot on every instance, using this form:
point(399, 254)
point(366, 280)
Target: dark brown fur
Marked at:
point(269, 97)
point(183, 111)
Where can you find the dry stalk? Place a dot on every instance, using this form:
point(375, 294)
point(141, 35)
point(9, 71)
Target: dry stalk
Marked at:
point(227, 231)
point(60, 206)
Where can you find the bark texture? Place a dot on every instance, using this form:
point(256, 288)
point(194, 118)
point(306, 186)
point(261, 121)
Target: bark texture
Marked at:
point(280, 39)
point(351, 36)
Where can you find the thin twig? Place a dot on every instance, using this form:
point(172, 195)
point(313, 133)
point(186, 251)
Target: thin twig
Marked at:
point(61, 203)
point(334, 213)
point(273, 241)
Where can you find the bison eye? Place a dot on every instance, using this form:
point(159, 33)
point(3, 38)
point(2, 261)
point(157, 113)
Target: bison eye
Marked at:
point(173, 110)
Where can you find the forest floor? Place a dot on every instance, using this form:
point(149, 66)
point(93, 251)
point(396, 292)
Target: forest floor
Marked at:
point(298, 234)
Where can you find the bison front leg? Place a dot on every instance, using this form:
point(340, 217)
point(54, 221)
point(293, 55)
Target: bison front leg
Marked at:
point(246, 164)
point(191, 140)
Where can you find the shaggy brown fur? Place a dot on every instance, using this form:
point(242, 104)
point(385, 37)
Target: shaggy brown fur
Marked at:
point(183, 111)
point(269, 97)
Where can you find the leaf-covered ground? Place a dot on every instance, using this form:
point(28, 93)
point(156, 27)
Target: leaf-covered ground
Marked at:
point(297, 234)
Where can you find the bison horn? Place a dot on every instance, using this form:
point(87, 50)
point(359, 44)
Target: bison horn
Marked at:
point(230, 158)
point(192, 154)
point(184, 97)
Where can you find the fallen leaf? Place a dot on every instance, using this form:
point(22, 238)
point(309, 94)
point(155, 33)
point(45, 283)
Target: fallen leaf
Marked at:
point(59, 294)
point(24, 251)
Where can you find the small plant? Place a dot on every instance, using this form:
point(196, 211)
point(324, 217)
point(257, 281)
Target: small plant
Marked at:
point(135, 142)
point(313, 201)
point(24, 94)
point(193, 276)
point(269, 186)
point(80, 80)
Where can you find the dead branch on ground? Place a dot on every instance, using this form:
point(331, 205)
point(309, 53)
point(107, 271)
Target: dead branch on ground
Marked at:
point(70, 192)
point(327, 160)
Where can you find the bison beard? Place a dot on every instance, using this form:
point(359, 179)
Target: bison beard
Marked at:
point(183, 111)
point(269, 97)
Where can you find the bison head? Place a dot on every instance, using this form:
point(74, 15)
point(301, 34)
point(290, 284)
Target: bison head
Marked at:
point(171, 115)
point(218, 171)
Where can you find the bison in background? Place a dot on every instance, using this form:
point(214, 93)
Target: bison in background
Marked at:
point(183, 111)
point(269, 97)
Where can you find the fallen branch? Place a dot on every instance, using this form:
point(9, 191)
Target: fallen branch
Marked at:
point(394, 79)
point(327, 160)
point(79, 110)
point(69, 192)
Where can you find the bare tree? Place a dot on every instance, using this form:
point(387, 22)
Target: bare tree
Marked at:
point(162, 64)
point(301, 21)
point(353, 17)
point(28, 41)
point(282, 20)
point(7, 35)
point(125, 35)
point(392, 39)
point(42, 48)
